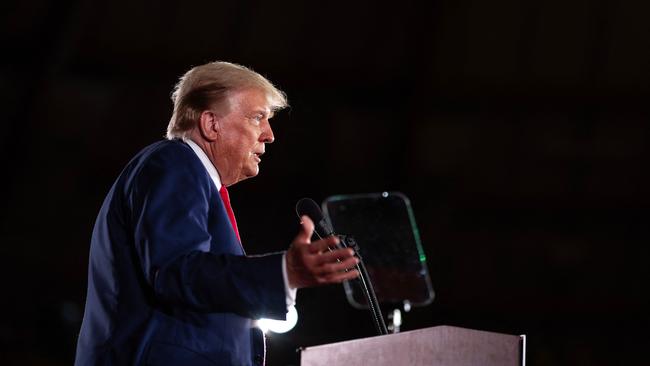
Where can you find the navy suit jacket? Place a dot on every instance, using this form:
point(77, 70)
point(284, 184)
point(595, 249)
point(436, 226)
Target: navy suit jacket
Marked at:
point(168, 281)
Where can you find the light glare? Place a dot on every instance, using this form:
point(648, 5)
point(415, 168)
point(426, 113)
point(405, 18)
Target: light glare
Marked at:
point(279, 326)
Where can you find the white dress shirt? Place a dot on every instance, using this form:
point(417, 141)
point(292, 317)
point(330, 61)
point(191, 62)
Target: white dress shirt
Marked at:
point(212, 171)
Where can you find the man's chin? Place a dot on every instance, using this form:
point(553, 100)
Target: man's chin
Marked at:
point(252, 172)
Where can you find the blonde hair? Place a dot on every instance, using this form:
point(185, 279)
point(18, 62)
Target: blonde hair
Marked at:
point(205, 87)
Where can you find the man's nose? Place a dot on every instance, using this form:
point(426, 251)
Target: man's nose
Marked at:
point(267, 135)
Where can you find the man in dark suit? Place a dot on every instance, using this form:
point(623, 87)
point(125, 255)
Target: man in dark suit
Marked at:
point(168, 281)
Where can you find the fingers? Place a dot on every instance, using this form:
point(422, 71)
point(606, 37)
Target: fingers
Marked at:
point(324, 244)
point(335, 256)
point(316, 264)
point(338, 277)
point(306, 230)
point(345, 276)
point(339, 266)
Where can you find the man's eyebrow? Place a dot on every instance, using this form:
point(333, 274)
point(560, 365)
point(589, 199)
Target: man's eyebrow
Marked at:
point(264, 111)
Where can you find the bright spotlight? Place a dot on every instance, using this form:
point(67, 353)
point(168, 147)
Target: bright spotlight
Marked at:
point(279, 326)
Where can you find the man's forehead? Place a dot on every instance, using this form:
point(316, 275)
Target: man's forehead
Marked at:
point(253, 99)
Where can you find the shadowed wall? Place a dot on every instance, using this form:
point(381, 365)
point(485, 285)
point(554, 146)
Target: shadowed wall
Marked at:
point(518, 129)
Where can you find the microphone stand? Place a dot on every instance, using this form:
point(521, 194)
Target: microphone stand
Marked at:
point(366, 285)
point(307, 206)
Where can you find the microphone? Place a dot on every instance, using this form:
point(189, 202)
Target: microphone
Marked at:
point(323, 229)
point(307, 206)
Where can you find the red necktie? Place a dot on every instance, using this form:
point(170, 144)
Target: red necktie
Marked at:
point(223, 192)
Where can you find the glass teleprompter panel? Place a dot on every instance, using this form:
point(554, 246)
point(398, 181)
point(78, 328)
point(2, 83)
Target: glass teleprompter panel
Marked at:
point(384, 227)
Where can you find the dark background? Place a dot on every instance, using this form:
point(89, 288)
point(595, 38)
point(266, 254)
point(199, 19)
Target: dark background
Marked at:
point(519, 129)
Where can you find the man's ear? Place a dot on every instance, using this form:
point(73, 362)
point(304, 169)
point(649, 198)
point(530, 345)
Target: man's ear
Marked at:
point(208, 125)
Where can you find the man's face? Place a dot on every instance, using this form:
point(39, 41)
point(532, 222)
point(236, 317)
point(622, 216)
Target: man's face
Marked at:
point(243, 132)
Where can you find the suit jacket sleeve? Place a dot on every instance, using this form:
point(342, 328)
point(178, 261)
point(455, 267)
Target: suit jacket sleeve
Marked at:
point(182, 262)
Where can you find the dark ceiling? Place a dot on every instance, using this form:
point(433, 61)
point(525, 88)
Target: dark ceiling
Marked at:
point(519, 129)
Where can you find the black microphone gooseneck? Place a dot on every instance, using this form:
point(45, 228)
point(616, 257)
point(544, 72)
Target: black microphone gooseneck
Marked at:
point(323, 228)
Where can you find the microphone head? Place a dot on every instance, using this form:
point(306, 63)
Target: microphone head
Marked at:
point(307, 206)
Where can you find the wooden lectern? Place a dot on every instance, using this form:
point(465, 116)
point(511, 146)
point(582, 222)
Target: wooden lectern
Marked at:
point(439, 346)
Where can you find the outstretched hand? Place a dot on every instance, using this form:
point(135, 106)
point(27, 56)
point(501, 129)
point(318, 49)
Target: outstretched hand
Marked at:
point(312, 264)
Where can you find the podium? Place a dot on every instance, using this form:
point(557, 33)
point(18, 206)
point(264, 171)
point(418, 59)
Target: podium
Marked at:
point(439, 346)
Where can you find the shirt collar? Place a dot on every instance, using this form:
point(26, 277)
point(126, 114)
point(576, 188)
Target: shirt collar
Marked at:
point(206, 163)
